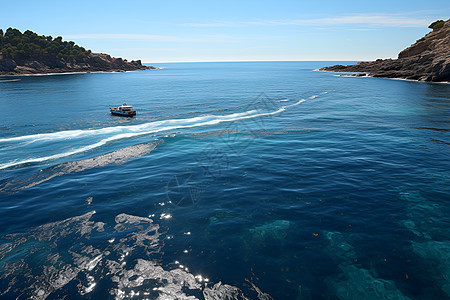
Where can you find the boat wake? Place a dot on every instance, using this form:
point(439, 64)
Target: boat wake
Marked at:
point(9, 80)
point(116, 157)
point(103, 136)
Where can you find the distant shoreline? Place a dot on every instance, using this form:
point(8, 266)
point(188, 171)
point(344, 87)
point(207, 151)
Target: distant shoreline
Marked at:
point(36, 72)
point(74, 72)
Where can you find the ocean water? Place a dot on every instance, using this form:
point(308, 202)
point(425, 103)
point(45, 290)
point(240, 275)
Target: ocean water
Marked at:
point(260, 180)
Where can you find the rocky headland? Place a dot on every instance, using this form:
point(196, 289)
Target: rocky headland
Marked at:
point(428, 59)
point(28, 53)
point(94, 62)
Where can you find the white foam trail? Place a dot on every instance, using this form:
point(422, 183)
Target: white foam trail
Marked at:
point(71, 134)
point(133, 131)
point(9, 80)
point(297, 103)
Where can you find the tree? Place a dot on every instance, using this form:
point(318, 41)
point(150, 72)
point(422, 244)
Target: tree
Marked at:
point(1, 39)
point(436, 25)
point(14, 44)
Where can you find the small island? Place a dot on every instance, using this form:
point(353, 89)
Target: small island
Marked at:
point(428, 59)
point(29, 53)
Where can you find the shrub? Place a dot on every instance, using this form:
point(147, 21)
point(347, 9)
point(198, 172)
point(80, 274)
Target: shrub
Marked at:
point(436, 25)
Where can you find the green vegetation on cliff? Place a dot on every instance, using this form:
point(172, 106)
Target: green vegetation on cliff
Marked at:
point(28, 45)
point(436, 25)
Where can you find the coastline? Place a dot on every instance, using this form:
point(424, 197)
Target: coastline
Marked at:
point(94, 62)
point(367, 74)
point(74, 72)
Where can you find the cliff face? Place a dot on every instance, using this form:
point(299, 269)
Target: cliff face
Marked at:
point(428, 59)
point(94, 62)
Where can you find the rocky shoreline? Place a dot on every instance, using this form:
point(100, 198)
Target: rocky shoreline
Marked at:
point(428, 59)
point(94, 62)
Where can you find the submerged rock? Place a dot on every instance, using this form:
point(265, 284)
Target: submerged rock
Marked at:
point(275, 230)
point(79, 256)
point(356, 282)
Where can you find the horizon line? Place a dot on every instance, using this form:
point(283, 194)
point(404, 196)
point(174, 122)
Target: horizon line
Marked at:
point(219, 61)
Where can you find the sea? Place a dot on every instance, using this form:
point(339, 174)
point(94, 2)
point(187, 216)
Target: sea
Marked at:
point(235, 180)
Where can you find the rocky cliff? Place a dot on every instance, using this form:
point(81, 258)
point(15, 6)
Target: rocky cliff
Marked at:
point(94, 62)
point(30, 53)
point(428, 59)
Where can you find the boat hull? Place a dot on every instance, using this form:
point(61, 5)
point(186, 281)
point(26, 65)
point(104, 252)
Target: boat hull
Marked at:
point(130, 113)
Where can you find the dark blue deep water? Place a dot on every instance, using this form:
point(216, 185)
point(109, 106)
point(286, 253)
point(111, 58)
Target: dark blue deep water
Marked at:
point(234, 179)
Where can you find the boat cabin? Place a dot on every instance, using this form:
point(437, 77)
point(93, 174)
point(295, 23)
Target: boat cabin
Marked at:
point(125, 107)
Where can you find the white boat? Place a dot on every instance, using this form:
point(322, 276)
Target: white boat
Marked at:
point(123, 110)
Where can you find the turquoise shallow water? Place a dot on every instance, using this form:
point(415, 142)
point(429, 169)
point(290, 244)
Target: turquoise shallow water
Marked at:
point(234, 179)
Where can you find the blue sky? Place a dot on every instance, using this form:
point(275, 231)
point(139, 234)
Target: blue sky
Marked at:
point(245, 30)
